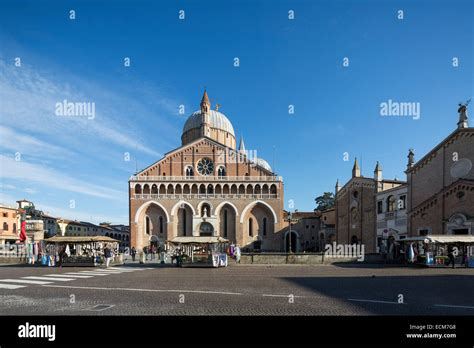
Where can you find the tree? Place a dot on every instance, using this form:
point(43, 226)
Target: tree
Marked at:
point(324, 202)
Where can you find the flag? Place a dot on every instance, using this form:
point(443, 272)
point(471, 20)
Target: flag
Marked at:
point(23, 231)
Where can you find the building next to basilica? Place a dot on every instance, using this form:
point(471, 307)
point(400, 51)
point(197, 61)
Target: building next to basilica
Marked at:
point(441, 185)
point(208, 187)
point(436, 199)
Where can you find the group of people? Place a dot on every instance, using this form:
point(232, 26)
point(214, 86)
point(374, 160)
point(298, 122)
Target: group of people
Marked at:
point(151, 251)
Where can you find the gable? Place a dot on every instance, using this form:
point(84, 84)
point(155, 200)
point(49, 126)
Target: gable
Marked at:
point(175, 162)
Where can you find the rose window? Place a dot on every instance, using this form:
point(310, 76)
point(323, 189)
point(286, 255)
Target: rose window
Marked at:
point(205, 166)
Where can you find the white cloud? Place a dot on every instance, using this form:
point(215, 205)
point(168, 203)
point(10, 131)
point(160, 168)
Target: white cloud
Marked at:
point(29, 98)
point(29, 145)
point(7, 186)
point(74, 214)
point(21, 170)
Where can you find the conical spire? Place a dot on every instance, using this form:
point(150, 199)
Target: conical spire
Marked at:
point(378, 167)
point(242, 145)
point(338, 186)
point(356, 169)
point(205, 103)
point(378, 172)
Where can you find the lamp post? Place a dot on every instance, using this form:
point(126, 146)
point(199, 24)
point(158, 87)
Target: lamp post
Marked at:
point(290, 220)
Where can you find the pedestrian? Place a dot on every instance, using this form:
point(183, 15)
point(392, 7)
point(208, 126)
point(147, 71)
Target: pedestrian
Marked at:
point(133, 252)
point(145, 251)
point(108, 255)
point(450, 256)
point(153, 252)
point(237, 254)
point(62, 255)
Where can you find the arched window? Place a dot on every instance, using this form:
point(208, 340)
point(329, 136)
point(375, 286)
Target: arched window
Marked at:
point(138, 189)
point(189, 172)
point(264, 226)
point(210, 190)
point(184, 222)
point(147, 225)
point(251, 227)
point(5, 226)
point(391, 203)
point(225, 222)
point(273, 189)
point(221, 171)
point(161, 224)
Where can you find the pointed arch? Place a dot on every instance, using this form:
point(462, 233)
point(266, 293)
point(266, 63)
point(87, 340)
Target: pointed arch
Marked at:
point(251, 205)
point(146, 205)
point(177, 205)
point(218, 208)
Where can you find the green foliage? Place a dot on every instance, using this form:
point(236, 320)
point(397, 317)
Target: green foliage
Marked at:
point(326, 201)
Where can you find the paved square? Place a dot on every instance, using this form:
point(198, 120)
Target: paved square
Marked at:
point(237, 290)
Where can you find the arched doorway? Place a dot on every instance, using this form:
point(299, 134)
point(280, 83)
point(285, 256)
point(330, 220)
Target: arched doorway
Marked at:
point(294, 241)
point(154, 222)
point(206, 229)
point(258, 221)
point(227, 219)
point(185, 221)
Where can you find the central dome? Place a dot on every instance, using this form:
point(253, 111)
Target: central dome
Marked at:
point(208, 123)
point(217, 120)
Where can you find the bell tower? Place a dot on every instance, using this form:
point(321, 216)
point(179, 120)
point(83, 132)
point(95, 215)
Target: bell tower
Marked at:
point(205, 115)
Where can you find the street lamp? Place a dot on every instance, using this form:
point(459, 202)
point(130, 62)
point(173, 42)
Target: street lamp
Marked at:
point(290, 220)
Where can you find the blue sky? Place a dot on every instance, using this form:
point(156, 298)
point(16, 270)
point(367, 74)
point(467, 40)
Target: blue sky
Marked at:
point(282, 62)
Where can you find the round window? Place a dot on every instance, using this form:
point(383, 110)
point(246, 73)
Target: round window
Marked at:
point(205, 166)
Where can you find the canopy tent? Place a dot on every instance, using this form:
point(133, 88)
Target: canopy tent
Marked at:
point(198, 240)
point(442, 239)
point(85, 239)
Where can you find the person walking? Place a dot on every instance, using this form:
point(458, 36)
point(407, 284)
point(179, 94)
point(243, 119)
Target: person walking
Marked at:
point(450, 257)
point(133, 253)
point(237, 254)
point(107, 255)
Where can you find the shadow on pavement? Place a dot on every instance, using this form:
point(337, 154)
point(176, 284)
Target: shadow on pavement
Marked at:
point(420, 293)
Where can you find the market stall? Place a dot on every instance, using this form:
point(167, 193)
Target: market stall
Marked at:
point(80, 251)
point(436, 250)
point(198, 251)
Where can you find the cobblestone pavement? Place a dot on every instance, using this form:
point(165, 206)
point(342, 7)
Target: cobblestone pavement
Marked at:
point(152, 289)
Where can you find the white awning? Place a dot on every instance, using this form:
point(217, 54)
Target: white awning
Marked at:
point(441, 239)
point(197, 239)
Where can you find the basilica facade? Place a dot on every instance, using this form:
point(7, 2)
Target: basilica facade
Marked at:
point(208, 187)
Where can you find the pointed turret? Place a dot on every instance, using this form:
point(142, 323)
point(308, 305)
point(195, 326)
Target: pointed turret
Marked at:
point(338, 186)
point(242, 145)
point(205, 103)
point(378, 172)
point(205, 121)
point(356, 169)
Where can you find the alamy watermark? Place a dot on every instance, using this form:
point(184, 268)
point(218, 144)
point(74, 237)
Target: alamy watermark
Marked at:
point(68, 108)
point(345, 250)
point(404, 109)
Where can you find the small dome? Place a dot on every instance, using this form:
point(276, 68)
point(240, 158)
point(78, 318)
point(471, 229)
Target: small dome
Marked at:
point(264, 164)
point(217, 120)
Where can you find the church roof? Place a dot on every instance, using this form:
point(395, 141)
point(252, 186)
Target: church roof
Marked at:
point(264, 164)
point(216, 119)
